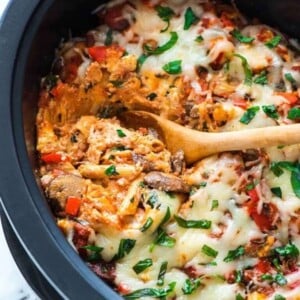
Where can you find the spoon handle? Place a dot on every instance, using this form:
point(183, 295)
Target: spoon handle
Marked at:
point(257, 138)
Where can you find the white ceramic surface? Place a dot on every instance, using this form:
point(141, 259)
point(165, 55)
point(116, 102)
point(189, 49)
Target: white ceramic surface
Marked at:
point(12, 284)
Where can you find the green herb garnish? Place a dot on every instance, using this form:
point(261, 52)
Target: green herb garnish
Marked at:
point(214, 204)
point(111, 171)
point(277, 191)
point(247, 70)
point(150, 292)
point(262, 78)
point(94, 252)
point(209, 251)
point(189, 18)
point(289, 250)
point(249, 115)
point(125, 246)
point(239, 297)
point(120, 133)
point(147, 224)
point(165, 13)
point(289, 77)
point(140, 61)
point(166, 217)
point(274, 42)
point(190, 285)
point(278, 278)
point(163, 240)
point(234, 254)
point(109, 37)
point(294, 113)
point(199, 39)
point(279, 297)
point(270, 111)
point(241, 38)
point(173, 67)
point(142, 265)
point(161, 49)
point(161, 274)
point(203, 224)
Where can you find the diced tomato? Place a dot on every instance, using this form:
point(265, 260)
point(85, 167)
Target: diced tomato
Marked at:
point(123, 289)
point(226, 21)
point(291, 97)
point(240, 102)
point(263, 266)
point(294, 284)
point(265, 219)
point(98, 53)
point(56, 91)
point(72, 206)
point(52, 158)
point(265, 35)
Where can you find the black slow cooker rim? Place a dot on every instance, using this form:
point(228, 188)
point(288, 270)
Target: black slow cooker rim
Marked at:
point(32, 222)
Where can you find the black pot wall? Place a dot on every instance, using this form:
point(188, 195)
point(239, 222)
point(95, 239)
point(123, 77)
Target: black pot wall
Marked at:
point(30, 32)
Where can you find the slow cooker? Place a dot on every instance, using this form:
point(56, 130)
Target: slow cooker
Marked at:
point(29, 34)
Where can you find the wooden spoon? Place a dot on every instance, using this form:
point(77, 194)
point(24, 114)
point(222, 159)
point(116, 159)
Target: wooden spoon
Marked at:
point(196, 144)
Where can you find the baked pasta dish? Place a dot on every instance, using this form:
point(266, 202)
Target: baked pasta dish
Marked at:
point(152, 226)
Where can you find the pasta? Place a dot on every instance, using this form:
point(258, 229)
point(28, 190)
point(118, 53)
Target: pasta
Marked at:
point(226, 227)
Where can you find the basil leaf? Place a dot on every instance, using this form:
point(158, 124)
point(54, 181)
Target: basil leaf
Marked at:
point(190, 285)
point(141, 60)
point(214, 204)
point(109, 37)
point(94, 252)
point(280, 279)
point(289, 250)
point(150, 292)
point(162, 272)
point(289, 77)
point(276, 167)
point(247, 70)
point(234, 254)
point(163, 240)
point(189, 18)
point(199, 39)
point(173, 67)
point(126, 245)
point(240, 37)
point(120, 133)
point(147, 225)
point(270, 111)
point(261, 79)
point(294, 113)
point(277, 191)
point(166, 217)
point(111, 171)
point(279, 297)
point(203, 224)
point(142, 265)
point(209, 251)
point(165, 13)
point(249, 115)
point(239, 297)
point(295, 182)
point(273, 42)
point(161, 49)
point(151, 96)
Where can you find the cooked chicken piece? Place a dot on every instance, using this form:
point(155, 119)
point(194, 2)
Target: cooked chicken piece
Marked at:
point(63, 186)
point(166, 182)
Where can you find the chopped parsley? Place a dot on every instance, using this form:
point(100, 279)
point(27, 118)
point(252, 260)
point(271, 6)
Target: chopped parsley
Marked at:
point(203, 224)
point(142, 265)
point(161, 49)
point(163, 240)
point(278, 278)
point(125, 246)
point(277, 191)
point(165, 13)
point(239, 297)
point(289, 77)
point(240, 37)
point(111, 171)
point(120, 133)
point(294, 113)
point(166, 217)
point(173, 67)
point(279, 297)
point(214, 204)
point(290, 250)
point(247, 70)
point(147, 224)
point(270, 111)
point(189, 18)
point(234, 254)
point(262, 78)
point(161, 274)
point(209, 251)
point(151, 292)
point(199, 39)
point(190, 285)
point(249, 115)
point(94, 252)
point(274, 42)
